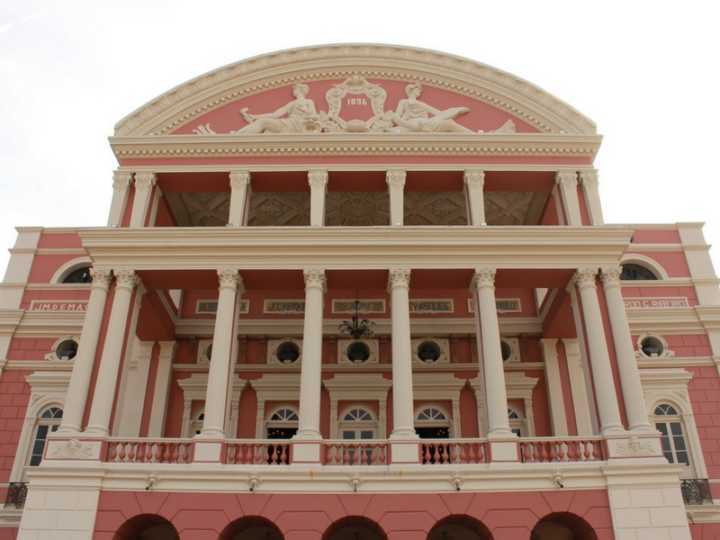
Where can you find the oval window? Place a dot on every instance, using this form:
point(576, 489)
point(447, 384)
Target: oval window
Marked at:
point(429, 351)
point(287, 352)
point(358, 352)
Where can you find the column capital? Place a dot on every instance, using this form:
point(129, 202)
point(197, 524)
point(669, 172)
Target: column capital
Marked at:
point(239, 178)
point(484, 278)
point(584, 278)
point(399, 277)
point(474, 177)
point(395, 178)
point(121, 179)
point(589, 177)
point(566, 178)
point(125, 278)
point(101, 278)
point(314, 278)
point(145, 180)
point(229, 278)
point(317, 178)
point(611, 276)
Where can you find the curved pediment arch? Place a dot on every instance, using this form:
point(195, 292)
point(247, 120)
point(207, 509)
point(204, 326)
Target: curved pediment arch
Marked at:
point(473, 96)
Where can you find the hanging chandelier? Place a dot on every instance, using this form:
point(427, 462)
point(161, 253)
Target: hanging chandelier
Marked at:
point(356, 327)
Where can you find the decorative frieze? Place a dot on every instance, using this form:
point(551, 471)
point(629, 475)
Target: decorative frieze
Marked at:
point(284, 305)
point(366, 305)
point(432, 305)
point(664, 302)
point(206, 307)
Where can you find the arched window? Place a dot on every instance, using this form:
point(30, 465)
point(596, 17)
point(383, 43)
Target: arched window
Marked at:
point(636, 272)
point(251, 527)
point(517, 423)
point(48, 422)
point(432, 423)
point(282, 423)
point(461, 527)
point(563, 525)
point(670, 425)
point(147, 526)
point(79, 275)
point(358, 423)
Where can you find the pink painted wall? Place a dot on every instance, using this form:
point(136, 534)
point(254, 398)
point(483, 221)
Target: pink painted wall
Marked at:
point(29, 348)
point(200, 516)
point(655, 236)
point(704, 391)
point(705, 531)
point(14, 396)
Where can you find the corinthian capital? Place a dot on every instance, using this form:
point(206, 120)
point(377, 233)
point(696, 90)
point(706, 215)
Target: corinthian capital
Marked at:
point(144, 180)
point(317, 179)
point(125, 278)
point(121, 180)
point(101, 278)
point(314, 278)
point(566, 179)
point(484, 278)
point(239, 179)
point(611, 276)
point(585, 277)
point(395, 178)
point(474, 177)
point(399, 277)
point(589, 177)
point(229, 278)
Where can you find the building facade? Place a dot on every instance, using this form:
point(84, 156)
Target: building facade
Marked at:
point(367, 292)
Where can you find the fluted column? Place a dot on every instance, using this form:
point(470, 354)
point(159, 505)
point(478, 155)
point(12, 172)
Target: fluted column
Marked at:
point(121, 184)
point(106, 382)
point(317, 179)
point(221, 366)
point(494, 372)
point(144, 182)
point(607, 401)
point(77, 392)
point(589, 181)
point(627, 363)
point(474, 190)
point(311, 367)
point(239, 183)
point(403, 410)
point(395, 180)
point(567, 182)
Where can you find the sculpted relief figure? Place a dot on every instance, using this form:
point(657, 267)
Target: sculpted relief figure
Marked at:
point(297, 116)
point(415, 116)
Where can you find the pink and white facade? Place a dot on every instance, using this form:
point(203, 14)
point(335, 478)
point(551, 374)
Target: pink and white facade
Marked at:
point(532, 371)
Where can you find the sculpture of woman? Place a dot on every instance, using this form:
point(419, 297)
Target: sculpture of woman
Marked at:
point(413, 115)
point(297, 116)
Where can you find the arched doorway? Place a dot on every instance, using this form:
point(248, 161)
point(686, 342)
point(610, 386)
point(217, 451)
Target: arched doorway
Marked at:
point(147, 527)
point(563, 526)
point(354, 528)
point(459, 528)
point(251, 528)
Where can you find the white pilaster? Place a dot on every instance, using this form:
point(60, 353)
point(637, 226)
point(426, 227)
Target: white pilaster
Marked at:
point(144, 183)
point(589, 181)
point(697, 254)
point(627, 363)
point(239, 185)
point(85, 358)
point(474, 191)
point(395, 179)
point(158, 409)
point(133, 387)
point(106, 383)
point(224, 334)
point(554, 387)
point(317, 179)
point(121, 185)
point(607, 402)
point(578, 387)
point(567, 182)
point(18, 269)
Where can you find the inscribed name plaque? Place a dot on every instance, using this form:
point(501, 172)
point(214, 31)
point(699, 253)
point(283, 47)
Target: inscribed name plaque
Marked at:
point(204, 307)
point(665, 302)
point(284, 306)
point(432, 305)
point(371, 305)
point(74, 307)
point(503, 305)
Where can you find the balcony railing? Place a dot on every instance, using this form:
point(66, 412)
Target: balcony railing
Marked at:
point(548, 450)
point(453, 451)
point(16, 494)
point(149, 451)
point(368, 452)
point(696, 491)
point(257, 452)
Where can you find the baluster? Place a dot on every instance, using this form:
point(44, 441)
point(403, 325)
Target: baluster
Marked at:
point(260, 449)
point(180, 453)
point(564, 453)
point(590, 445)
point(426, 453)
point(285, 454)
point(230, 452)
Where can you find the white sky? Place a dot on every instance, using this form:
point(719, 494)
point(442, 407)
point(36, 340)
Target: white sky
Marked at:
point(646, 72)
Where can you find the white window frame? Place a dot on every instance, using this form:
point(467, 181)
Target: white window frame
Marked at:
point(517, 421)
point(201, 356)
point(273, 344)
point(357, 426)
point(667, 353)
point(52, 355)
point(646, 262)
point(40, 421)
point(446, 423)
point(444, 345)
point(67, 268)
point(372, 344)
point(677, 418)
point(269, 423)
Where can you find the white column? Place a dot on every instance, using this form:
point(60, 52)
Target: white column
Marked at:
point(474, 191)
point(395, 180)
point(578, 388)
point(77, 392)
point(121, 184)
point(224, 334)
point(554, 387)
point(144, 183)
point(403, 408)
point(627, 363)
point(317, 179)
point(589, 180)
point(494, 373)
point(567, 182)
point(158, 411)
point(311, 368)
point(106, 382)
point(239, 183)
point(607, 402)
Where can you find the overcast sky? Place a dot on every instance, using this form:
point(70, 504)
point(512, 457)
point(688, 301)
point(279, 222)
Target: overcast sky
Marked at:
point(646, 72)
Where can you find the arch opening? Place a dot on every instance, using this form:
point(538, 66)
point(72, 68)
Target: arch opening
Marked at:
point(563, 526)
point(459, 528)
point(147, 527)
point(354, 528)
point(251, 528)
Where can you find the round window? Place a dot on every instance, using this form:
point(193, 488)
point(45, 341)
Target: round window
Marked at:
point(652, 346)
point(505, 350)
point(429, 351)
point(287, 352)
point(67, 349)
point(358, 352)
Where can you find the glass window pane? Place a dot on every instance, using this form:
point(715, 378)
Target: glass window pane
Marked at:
point(42, 432)
point(662, 428)
point(682, 457)
point(348, 434)
point(35, 460)
point(366, 434)
point(669, 457)
point(675, 428)
point(679, 443)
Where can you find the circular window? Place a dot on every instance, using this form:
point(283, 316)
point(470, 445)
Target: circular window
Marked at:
point(505, 350)
point(429, 351)
point(652, 346)
point(358, 352)
point(287, 352)
point(67, 349)
point(81, 275)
